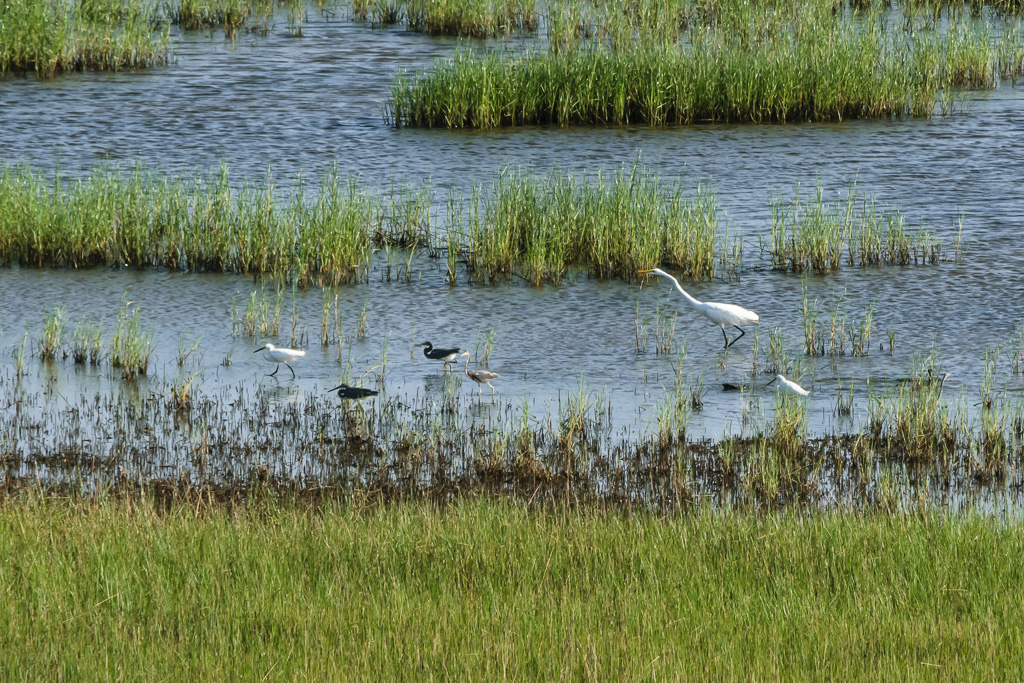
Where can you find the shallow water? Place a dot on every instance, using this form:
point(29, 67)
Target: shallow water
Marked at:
point(303, 104)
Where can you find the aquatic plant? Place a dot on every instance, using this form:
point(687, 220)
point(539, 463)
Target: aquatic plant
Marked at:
point(812, 236)
point(86, 342)
point(50, 346)
point(808, 63)
point(131, 347)
point(262, 316)
point(613, 225)
point(474, 18)
point(49, 38)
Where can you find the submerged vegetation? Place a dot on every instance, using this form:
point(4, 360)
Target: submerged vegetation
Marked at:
point(178, 440)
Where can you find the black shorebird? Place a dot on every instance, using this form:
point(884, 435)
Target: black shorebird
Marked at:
point(446, 355)
point(356, 393)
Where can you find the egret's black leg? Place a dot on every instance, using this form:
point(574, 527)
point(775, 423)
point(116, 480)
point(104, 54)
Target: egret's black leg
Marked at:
point(726, 337)
point(293, 372)
point(730, 343)
point(275, 371)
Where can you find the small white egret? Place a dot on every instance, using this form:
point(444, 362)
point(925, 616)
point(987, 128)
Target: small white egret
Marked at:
point(276, 355)
point(480, 376)
point(723, 315)
point(789, 386)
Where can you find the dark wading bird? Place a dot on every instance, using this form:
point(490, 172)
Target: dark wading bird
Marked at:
point(723, 315)
point(480, 376)
point(346, 392)
point(276, 355)
point(446, 355)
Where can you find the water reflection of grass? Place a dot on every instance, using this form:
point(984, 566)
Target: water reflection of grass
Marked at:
point(491, 589)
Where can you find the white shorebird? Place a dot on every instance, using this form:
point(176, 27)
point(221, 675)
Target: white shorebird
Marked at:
point(723, 315)
point(789, 386)
point(276, 355)
point(480, 376)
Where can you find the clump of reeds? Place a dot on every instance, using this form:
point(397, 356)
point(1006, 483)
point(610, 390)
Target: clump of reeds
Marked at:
point(262, 316)
point(787, 432)
point(613, 225)
point(812, 236)
point(477, 18)
point(49, 38)
point(52, 342)
point(836, 335)
point(474, 18)
point(132, 346)
point(140, 219)
point(86, 342)
point(744, 64)
point(229, 15)
point(911, 421)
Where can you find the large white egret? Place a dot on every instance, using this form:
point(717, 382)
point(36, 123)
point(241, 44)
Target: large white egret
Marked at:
point(276, 355)
point(789, 386)
point(480, 376)
point(723, 315)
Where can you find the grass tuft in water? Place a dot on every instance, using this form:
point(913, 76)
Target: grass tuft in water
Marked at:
point(812, 236)
point(51, 345)
point(131, 347)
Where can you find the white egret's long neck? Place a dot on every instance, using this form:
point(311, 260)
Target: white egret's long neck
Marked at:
point(689, 299)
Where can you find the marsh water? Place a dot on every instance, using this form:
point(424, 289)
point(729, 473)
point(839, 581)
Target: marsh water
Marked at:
point(302, 104)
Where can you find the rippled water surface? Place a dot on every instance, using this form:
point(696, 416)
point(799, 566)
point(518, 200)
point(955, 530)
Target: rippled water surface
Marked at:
point(303, 104)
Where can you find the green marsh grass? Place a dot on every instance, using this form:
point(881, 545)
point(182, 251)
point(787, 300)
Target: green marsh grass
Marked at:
point(472, 18)
point(530, 226)
point(49, 38)
point(613, 225)
point(912, 421)
point(86, 342)
point(837, 335)
point(812, 236)
point(138, 219)
point(131, 347)
point(51, 345)
point(488, 589)
point(804, 63)
point(229, 15)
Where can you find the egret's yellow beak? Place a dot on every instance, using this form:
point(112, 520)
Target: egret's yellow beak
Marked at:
point(642, 272)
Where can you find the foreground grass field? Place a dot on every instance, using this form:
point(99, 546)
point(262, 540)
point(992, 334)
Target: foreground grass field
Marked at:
point(487, 589)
